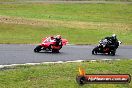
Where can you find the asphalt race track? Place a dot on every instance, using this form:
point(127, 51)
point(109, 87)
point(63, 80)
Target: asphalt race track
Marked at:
point(20, 54)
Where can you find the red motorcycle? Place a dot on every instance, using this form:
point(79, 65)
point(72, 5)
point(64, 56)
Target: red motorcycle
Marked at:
point(51, 44)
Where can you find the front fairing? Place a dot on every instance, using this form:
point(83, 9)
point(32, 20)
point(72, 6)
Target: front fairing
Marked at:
point(46, 42)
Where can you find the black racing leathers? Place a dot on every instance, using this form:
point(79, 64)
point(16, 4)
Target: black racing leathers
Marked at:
point(112, 42)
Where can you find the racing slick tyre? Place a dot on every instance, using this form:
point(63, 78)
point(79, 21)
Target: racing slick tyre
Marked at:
point(113, 53)
point(55, 51)
point(38, 48)
point(94, 51)
point(108, 53)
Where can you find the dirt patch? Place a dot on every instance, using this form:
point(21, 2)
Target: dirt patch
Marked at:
point(68, 24)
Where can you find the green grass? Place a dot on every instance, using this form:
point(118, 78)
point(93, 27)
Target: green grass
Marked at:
point(61, 75)
point(8, 0)
point(63, 0)
point(12, 33)
point(117, 13)
point(79, 23)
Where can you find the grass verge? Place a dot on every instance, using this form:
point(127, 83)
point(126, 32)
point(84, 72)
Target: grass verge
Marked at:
point(62, 0)
point(117, 13)
point(79, 23)
point(61, 75)
point(22, 33)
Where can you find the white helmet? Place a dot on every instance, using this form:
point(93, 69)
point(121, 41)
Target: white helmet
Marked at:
point(58, 36)
point(114, 35)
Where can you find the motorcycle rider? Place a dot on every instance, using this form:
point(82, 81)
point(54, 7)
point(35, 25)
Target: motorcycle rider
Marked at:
point(58, 40)
point(112, 41)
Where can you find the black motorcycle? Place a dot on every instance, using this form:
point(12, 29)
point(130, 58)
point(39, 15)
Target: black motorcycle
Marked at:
point(105, 47)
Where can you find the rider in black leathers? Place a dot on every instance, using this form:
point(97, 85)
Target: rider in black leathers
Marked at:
point(58, 40)
point(112, 42)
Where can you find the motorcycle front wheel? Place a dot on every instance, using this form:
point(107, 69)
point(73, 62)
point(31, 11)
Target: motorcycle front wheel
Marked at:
point(94, 51)
point(113, 53)
point(38, 48)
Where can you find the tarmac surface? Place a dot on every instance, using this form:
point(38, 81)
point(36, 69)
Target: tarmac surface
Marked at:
point(23, 53)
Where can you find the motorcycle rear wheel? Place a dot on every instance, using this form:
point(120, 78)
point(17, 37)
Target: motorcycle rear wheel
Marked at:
point(94, 51)
point(38, 48)
point(55, 51)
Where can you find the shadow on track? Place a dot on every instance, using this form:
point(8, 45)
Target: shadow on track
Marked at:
point(105, 55)
point(49, 52)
